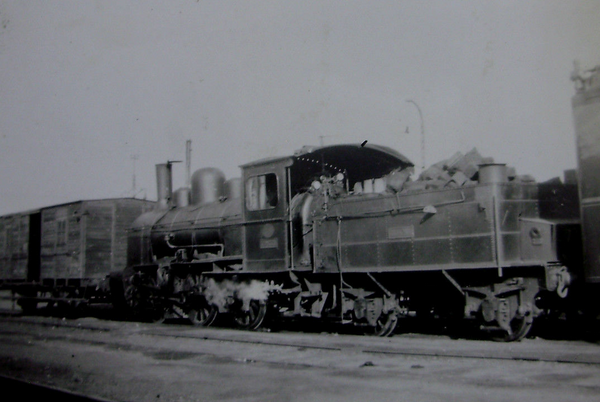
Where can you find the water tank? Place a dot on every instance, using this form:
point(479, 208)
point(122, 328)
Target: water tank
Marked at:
point(207, 185)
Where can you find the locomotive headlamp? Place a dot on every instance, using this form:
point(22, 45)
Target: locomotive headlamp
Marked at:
point(316, 184)
point(339, 177)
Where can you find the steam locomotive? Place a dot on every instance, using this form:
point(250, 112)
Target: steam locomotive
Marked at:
point(343, 234)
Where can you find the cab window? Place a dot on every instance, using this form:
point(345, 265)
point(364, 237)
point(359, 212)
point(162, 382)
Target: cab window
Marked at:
point(261, 192)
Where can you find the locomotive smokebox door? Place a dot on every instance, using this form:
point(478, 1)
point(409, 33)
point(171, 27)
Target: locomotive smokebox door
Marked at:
point(266, 206)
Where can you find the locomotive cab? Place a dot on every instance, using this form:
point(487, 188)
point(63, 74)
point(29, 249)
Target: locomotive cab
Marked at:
point(265, 205)
point(277, 198)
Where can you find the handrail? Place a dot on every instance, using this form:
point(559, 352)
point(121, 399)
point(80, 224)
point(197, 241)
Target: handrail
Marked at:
point(418, 208)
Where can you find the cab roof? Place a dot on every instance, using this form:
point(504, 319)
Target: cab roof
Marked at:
point(358, 162)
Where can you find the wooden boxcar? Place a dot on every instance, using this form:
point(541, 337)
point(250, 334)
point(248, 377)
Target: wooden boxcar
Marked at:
point(66, 251)
point(19, 247)
point(86, 240)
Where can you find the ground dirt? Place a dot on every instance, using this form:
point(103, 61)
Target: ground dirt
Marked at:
point(128, 361)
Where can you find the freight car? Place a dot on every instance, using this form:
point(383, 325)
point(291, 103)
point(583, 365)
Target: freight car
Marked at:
point(342, 233)
point(17, 247)
point(62, 254)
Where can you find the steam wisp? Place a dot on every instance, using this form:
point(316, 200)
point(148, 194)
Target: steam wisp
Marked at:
point(224, 293)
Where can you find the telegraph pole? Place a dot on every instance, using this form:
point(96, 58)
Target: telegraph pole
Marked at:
point(134, 158)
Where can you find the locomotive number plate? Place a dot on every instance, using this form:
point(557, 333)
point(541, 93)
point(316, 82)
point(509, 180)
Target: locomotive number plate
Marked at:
point(269, 243)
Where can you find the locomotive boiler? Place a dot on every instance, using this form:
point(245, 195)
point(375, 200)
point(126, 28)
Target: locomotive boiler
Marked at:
point(342, 233)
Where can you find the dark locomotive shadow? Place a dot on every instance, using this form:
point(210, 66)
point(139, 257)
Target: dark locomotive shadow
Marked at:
point(561, 329)
point(18, 390)
point(100, 311)
point(446, 327)
point(406, 327)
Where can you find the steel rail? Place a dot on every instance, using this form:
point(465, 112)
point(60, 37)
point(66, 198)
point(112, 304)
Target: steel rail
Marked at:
point(338, 346)
point(412, 352)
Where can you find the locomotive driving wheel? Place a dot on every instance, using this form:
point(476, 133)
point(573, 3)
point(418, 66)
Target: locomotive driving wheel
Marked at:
point(202, 313)
point(515, 318)
point(142, 299)
point(519, 328)
point(253, 317)
point(385, 325)
point(507, 309)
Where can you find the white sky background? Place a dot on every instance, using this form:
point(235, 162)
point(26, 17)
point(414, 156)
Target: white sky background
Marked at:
point(85, 85)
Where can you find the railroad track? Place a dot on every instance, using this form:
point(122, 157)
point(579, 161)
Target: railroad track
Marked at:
point(434, 346)
point(535, 356)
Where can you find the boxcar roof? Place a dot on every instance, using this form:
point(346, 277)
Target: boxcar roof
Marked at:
point(107, 200)
point(22, 213)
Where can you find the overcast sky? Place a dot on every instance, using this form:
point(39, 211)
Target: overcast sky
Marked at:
point(87, 85)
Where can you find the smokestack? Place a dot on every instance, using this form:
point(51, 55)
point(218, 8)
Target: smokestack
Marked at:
point(164, 185)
